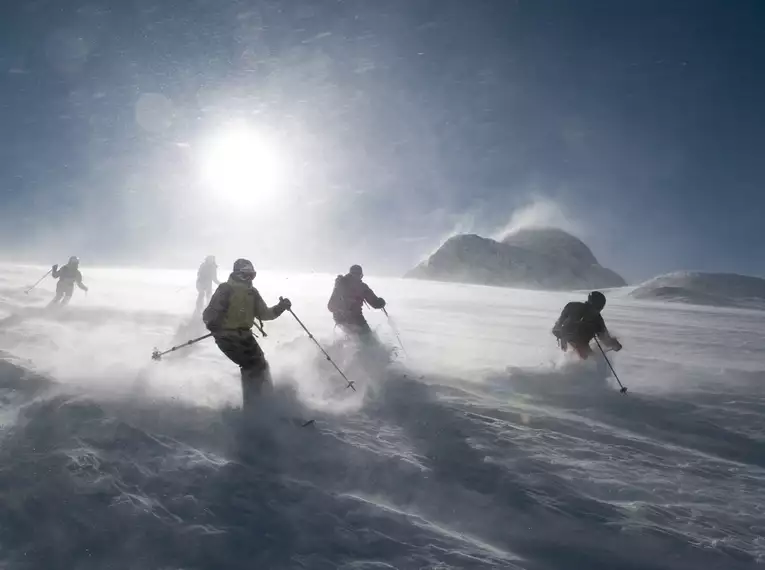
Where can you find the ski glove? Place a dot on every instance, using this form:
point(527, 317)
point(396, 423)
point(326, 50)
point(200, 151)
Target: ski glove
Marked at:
point(54, 267)
point(283, 305)
point(382, 303)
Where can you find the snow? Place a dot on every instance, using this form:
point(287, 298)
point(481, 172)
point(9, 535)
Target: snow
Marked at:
point(484, 448)
point(718, 289)
point(534, 258)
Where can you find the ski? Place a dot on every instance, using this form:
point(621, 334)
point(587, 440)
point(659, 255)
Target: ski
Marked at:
point(300, 422)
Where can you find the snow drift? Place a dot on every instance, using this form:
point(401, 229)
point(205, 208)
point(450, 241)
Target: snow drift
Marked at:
point(494, 452)
point(717, 289)
point(536, 258)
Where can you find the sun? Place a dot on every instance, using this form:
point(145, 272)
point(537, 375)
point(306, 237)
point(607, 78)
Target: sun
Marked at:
point(240, 164)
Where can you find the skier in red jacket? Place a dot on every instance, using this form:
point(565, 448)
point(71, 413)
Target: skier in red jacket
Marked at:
point(348, 297)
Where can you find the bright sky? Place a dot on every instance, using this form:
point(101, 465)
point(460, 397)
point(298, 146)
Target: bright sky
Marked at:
point(312, 135)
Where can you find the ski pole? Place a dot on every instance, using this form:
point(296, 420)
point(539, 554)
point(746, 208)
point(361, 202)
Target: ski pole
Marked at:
point(157, 355)
point(39, 281)
point(350, 384)
point(395, 331)
point(623, 387)
point(259, 326)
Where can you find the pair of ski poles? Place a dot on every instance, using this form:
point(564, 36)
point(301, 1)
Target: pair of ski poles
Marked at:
point(350, 383)
point(157, 355)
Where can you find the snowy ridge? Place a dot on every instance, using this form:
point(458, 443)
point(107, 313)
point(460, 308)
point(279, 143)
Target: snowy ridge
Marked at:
point(536, 258)
point(718, 289)
point(488, 450)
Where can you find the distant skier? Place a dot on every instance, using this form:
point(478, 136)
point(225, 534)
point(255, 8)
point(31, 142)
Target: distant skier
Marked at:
point(207, 274)
point(347, 299)
point(67, 276)
point(579, 323)
point(230, 316)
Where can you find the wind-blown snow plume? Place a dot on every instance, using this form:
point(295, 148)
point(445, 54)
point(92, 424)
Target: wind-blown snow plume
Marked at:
point(542, 212)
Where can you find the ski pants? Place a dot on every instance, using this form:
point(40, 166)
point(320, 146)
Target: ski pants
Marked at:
point(64, 293)
point(242, 349)
point(580, 345)
point(204, 293)
point(582, 349)
point(356, 325)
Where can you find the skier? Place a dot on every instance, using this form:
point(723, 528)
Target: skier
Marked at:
point(230, 316)
point(207, 274)
point(67, 276)
point(346, 301)
point(579, 323)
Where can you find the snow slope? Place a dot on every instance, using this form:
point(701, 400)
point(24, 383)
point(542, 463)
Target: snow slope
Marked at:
point(485, 448)
point(719, 289)
point(535, 258)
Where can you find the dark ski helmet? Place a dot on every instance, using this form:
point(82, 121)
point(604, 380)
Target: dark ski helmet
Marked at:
point(356, 271)
point(74, 260)
point(597, 300)
point(244, 268)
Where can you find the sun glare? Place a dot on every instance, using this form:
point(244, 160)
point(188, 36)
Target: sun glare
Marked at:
point(241, 165)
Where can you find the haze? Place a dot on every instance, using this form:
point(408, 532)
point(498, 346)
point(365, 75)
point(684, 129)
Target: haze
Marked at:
point(309, 136)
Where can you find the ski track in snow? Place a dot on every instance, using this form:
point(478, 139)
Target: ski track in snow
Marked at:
point(485, 449)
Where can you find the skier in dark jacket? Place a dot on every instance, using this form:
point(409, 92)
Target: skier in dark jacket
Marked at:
point(348, 297)
point(230, 316)
point(67, 276)
point(579, 323)
point(207, 274)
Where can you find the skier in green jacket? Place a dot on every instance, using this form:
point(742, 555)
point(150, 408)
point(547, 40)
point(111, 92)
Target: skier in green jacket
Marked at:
point(230, 317)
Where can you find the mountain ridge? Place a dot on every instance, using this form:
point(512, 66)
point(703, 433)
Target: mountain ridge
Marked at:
point(704, 288)
point(539, 258)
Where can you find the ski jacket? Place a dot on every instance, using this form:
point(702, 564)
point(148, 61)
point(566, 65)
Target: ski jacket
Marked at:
point(348, 297)
point(207, 274)
point(68, 275)
point(235, 305)
point(579, 323)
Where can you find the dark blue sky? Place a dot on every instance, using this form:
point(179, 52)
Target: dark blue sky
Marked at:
point(643, 120)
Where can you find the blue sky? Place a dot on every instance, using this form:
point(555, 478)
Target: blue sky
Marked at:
point(399, 122)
